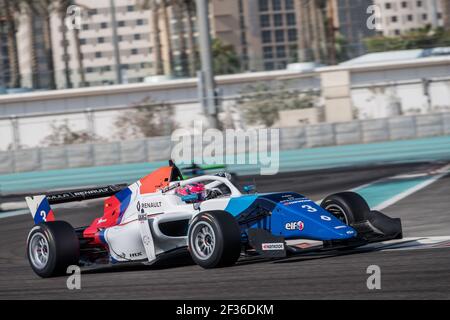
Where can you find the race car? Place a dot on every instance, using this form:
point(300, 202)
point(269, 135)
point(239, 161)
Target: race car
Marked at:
point(194, 170)
point(207, 217)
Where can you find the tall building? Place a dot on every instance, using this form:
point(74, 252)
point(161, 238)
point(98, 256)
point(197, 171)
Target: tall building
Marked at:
point(85, 57)
point(96, 58)
point(265, 33)
point(272, 33)
point(351, 17)
point(400, 16)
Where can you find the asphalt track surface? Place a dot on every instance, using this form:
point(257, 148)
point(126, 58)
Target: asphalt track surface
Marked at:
point(405, 274)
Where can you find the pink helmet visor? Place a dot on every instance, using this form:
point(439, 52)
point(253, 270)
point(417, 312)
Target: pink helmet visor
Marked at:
point(190, 189)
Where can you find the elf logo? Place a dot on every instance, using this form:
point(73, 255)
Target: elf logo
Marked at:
point(297, 225)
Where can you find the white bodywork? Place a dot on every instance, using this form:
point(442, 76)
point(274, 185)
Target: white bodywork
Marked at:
point(139, 237)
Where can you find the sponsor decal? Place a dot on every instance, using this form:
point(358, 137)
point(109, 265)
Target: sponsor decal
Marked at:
point(291, 201)
point(147, 205)
point(101, 220)
point(174, 186)
point(146, 240)
point(81, 193)
point(136, 254)
point(325, 218)
point(272, 246)
point(296, 225)
point(350, 232)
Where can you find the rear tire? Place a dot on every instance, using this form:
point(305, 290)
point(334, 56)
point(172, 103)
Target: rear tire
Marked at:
point(214, 239)
point(349, 207)
point(52, 247)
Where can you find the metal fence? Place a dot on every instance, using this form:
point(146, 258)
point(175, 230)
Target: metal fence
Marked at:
point(159, 148)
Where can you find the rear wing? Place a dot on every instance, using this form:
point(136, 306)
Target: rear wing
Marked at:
point(41, 211)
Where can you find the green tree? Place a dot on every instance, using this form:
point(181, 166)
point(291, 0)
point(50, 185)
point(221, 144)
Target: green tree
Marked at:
point(261, 104)
point(416, 39)
point(225, 59)
point(341, 45)
point(63, 134)
point(145, 119)
point(9, 10)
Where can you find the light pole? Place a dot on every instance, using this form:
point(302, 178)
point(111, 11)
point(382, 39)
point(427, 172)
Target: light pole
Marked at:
point(206, 78)
point(115, 42)
point(434, 18)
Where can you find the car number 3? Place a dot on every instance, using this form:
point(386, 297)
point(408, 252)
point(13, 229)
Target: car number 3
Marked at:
point(309, 208)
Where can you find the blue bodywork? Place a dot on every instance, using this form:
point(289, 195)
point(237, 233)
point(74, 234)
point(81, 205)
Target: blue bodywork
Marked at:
point(289, 215)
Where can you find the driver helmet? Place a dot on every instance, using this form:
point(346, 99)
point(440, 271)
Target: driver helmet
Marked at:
point(193, 188)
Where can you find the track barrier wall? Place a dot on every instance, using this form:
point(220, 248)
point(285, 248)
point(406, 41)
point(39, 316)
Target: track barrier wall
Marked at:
point(399, 139)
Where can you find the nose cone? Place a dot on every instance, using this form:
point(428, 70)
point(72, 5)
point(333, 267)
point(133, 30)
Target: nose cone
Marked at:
point(295, 222)
point(344, 232)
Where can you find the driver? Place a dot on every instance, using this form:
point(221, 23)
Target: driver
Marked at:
point(199, 190)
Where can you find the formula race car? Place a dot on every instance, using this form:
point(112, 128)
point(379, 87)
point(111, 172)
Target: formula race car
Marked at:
point(206, 217)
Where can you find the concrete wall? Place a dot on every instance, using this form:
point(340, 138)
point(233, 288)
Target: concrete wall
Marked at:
point(361, 91)
point(158, 149)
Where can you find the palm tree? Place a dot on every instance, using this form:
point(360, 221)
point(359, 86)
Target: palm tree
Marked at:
point(305, 26)
point(8, 10)
point(79, 57)
point(177, 10)
point(446, 14)
point(168, 34)
point(61, 10)
point(312, 22)
point(29, 12)
point(330, 33)
point(189, 7)
point(63, 5)
point(225, 58)
point(154, 7)
point(156, 37)
point(315, 27)
point(43, 10)
point(80, 64)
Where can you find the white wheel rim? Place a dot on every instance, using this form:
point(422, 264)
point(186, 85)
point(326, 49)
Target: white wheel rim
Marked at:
point(204, 240)
point(39, 250)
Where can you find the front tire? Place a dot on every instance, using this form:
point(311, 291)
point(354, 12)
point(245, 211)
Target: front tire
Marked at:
point(214, 239)
point(52, 247)
point(349, 207)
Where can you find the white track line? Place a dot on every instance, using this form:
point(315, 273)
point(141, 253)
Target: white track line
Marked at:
point(443, 172)
point(14, 213)
point(410, 243)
